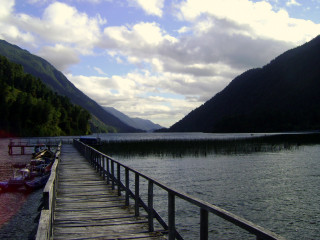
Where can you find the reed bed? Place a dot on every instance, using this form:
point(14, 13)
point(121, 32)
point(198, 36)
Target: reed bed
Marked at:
point(203, 147)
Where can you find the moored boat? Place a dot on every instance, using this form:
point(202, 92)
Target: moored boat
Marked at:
point(37, 182)
point(18, 180)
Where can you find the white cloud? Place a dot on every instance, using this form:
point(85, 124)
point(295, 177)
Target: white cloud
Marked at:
point(151, 7)
point(256, 19)
point(183, 29)
point(59, 24)
point(6, 7)
point(162, 97)
point(141, 35)
point(66, 24)
point(99, 70)
point(60, 56)
point(8, 29)
point(292, 3)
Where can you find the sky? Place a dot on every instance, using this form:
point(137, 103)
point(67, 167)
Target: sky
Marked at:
point(157, 59)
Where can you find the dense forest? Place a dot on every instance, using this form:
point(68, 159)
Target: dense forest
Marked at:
point(29, 108)
point(283, 95)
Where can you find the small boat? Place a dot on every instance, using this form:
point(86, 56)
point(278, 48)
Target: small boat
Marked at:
point(43, 153)
point(17, 181)
point(37, 182)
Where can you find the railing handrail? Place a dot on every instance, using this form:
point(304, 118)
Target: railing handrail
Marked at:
point(205, 207)
point(44, 231)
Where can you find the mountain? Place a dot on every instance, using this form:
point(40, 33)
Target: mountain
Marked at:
point(53, 78)
point(284, 95)
point(137, 123)
point(29, 108)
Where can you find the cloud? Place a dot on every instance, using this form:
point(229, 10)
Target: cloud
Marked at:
point(142, 35)
point(67, 25)
point(99, 70)
point(60, 23)
point(6, 8)
point(141, 94)
point(151, 7)
point(254, 19)
point(8, 28)
point(60, 56)
point(292, 3)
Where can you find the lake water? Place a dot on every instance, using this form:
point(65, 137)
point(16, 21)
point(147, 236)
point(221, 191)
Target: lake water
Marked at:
point(278, 189)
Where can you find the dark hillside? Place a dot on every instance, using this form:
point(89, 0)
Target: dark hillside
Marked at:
point(29, 108)
point(284, 95)
point(53, 78)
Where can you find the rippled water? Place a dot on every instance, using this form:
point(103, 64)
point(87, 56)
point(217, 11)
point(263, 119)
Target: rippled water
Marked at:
point(277, 190)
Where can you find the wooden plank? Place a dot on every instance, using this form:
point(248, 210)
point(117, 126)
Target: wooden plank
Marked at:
point(87, 208)
point(44, 225)
point(109, 236)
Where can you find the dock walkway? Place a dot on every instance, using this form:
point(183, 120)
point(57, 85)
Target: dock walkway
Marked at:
point(87, 208)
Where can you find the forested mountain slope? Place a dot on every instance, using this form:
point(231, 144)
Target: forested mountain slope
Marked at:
point(53, 78)
point(284, 95)
point(29, 108)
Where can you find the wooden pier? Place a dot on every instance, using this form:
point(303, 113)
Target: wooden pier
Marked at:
point(87, 208)
point(83, 200)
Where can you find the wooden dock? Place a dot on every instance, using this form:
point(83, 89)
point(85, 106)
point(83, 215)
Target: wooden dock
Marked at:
point(83, 200)
point(87, 208)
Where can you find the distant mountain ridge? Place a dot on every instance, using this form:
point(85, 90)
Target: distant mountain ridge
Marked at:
point(138, 123)
point(284, 95)
point(53, 78)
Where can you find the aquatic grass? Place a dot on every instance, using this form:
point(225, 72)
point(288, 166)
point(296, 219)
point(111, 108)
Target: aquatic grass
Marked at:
point(203, 147)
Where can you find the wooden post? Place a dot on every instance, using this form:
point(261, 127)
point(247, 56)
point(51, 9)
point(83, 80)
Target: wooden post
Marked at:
point(127, 186)
point(171, 216)
point(150, 206)
point(100, 165)
point(112, 174)
point(137, 194)
point(108, 171)
point(10, 150)
point(104, 167)
point(204, 222)
point(118, 179)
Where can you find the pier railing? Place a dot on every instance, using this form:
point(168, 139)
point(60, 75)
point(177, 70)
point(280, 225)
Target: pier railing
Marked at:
point(44, 231)
point(110, 170)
